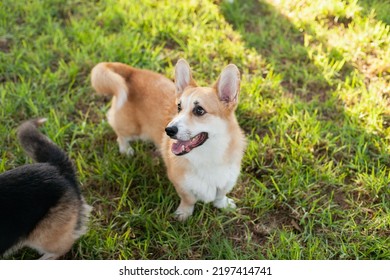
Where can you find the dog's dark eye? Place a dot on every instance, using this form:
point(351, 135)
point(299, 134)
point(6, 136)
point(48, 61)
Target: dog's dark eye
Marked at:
point(179, 107)
point(199, 111)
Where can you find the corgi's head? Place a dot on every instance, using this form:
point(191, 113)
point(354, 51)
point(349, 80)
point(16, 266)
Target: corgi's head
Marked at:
point(204, 113)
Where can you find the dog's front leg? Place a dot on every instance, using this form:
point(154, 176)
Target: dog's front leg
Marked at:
point(186, 207)
point(222, 201)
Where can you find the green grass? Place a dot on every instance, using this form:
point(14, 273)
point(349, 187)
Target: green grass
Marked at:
point(314, 105)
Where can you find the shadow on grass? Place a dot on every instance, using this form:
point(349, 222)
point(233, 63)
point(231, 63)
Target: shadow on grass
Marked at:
point(282, 45)
point(379, 7)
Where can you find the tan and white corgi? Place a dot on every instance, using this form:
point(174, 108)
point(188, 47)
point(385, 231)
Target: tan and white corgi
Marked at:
point(194, 127)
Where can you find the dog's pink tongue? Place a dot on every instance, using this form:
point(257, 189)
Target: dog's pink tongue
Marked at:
point(181, 147)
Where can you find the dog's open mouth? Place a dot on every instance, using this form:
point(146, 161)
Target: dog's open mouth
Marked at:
point(180, 147)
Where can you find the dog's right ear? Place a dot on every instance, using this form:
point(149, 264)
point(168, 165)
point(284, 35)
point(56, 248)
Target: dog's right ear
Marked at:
point(183, 76)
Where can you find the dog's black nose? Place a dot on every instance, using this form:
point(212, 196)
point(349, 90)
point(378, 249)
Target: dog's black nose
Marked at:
point(171, 130)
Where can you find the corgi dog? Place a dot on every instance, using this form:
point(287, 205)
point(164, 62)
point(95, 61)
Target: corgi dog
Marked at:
point(41, 205)
point(195, 128)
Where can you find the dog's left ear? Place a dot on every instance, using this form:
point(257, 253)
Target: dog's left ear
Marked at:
point(228, 85)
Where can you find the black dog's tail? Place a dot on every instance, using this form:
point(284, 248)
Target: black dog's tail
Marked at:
point(41, 149)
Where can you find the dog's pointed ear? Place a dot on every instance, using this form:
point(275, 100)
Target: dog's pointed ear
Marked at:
point(228, 85)
point(183, 76)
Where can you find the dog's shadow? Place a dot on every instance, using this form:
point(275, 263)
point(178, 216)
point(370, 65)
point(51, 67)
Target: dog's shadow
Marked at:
point(283, 51)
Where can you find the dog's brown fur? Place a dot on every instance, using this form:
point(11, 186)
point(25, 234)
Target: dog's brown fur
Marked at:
point(145, 102)
point(142, 112)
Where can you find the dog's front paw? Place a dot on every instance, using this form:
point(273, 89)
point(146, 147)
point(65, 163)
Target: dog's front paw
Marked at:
point(182, 214)
point(224, 202)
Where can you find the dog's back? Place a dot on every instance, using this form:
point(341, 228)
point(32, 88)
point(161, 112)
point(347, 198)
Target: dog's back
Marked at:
point(40, 204)
point(143, 101)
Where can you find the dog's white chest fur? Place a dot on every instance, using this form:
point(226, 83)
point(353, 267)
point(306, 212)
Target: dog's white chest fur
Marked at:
point(205, 182)
point(210, 174)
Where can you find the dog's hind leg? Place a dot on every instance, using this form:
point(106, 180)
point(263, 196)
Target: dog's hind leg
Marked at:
point(49, 256)
point(55, 235)
point(124, 146)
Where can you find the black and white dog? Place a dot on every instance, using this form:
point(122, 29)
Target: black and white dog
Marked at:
point(41, 205)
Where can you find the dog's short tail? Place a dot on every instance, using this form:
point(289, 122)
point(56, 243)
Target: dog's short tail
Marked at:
point(106, 80)
point(41, 149)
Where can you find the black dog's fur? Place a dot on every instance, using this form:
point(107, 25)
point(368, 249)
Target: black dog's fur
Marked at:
point(41, 205)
